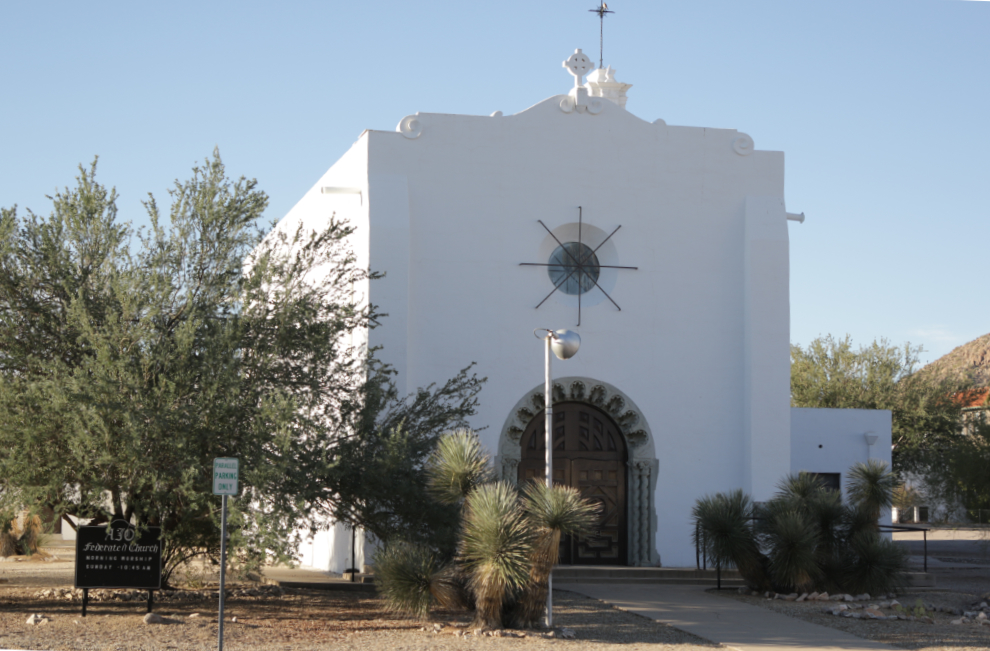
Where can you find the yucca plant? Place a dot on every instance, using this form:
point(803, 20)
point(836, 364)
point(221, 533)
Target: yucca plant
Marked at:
point(792, 540)
point(805, 537)
point(552, 513)
point(495, 549)
point(725, 532)
point(874, 564)
point(458, 466)
point(803, 486)
point(411, 581)
point(871, 487)
point(829, 516)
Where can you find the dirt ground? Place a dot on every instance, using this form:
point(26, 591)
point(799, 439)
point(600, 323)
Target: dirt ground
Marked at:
point(302, 620)
point(297, 620)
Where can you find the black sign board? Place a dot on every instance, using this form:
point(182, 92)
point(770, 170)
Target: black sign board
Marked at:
point(119, 556)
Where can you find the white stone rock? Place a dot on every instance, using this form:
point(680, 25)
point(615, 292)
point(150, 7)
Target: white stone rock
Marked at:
point(847, 597)
point(956, 622)
point(36, 619)
point(803, 597)
point(153, 618)
point(566, 633)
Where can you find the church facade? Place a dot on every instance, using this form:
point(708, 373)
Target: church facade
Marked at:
point(665, 247)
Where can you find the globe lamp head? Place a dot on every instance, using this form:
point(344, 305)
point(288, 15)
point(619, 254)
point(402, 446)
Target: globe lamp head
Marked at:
point(565, 343)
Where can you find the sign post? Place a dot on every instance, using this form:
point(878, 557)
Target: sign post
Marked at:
point(118, 555)
point(225, 476)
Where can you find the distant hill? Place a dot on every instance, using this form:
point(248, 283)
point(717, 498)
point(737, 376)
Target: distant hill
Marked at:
point(970, 360)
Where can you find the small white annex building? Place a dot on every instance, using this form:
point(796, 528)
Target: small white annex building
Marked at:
point(665, 247)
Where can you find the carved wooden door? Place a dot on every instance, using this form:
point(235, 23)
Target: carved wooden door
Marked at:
point(589, 454)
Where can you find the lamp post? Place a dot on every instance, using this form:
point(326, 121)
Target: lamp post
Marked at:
point(564, 344)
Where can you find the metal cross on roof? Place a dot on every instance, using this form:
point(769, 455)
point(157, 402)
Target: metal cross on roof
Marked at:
point(601, 11)
point(584, 264)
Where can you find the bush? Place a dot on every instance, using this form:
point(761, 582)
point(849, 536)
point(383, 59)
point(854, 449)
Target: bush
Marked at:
point(411, 580)
point(805, 538)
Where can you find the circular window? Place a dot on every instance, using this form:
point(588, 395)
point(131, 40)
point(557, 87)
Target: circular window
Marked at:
point(573, 268)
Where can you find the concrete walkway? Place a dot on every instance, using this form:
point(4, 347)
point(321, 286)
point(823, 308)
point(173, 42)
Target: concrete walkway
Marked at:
point(730, 622)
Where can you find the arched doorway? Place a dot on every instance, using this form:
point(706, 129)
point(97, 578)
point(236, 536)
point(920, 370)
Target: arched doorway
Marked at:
point(589, 453)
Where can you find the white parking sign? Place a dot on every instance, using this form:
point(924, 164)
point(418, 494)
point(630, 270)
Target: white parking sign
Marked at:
point(225, 476)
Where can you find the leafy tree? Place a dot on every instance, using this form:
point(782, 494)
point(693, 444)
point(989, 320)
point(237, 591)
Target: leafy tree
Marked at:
point(124, 372)
point(958, 475)
point(830, 373)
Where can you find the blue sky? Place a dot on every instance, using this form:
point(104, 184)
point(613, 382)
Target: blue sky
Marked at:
point(881, 107)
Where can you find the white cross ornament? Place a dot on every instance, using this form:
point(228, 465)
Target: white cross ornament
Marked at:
point(578, 65)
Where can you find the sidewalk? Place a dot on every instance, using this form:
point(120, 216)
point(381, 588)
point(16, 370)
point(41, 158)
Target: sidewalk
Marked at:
point(312, 580)
point(732, 623)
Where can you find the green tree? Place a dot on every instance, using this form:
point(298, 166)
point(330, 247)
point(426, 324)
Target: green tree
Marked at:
point(957, 475)
point(830, 373)
point(124, 372)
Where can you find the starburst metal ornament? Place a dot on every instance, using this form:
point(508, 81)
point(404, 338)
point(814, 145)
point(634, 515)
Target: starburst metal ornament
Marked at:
point(574, 266)
point(601, 11)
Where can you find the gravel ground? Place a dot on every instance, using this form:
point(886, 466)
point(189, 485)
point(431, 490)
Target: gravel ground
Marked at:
point(301, 620)
point(904, 634)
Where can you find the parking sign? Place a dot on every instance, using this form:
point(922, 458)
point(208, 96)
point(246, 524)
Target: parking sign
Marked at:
point(225, 476)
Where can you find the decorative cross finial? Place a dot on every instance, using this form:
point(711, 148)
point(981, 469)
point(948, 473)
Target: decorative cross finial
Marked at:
point(578, 65)
point(601, 11)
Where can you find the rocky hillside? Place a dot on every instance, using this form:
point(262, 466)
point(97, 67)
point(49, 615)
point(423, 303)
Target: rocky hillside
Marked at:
point(971, 360)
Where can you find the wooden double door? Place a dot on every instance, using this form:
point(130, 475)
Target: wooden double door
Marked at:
point(589, 454)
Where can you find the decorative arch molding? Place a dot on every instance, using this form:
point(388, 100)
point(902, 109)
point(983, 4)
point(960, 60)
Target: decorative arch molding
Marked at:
point(643, 464)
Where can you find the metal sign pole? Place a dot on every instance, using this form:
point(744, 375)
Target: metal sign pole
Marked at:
point(548, 404)
point(226, 474)
point(223, 567)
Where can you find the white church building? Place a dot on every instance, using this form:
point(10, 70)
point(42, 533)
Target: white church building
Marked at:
point(665, 247)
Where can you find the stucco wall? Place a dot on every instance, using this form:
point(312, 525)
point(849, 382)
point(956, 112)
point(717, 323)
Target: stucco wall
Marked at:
point(832, 440)
point(700, 344)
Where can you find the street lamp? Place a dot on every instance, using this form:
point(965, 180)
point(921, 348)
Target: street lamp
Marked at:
point(564, 344)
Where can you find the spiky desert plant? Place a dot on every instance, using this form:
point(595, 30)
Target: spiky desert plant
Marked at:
point(791, 540)
point(457, 466)
point(411, 581)
point(725, 531)
point(803, 486)
point(829, 516)
point(553, 513)
point(874, 564)
point(870, 486)
point(495, 549)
